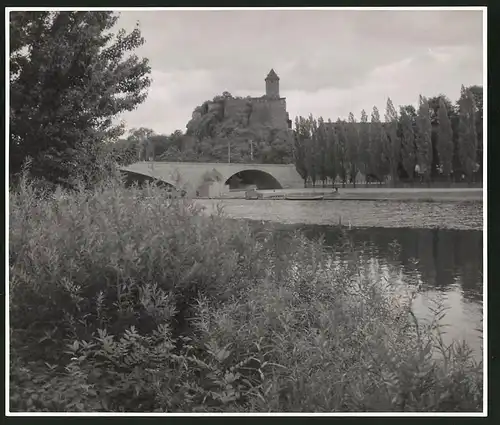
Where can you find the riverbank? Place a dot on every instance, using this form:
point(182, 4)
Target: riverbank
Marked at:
point(377, 194)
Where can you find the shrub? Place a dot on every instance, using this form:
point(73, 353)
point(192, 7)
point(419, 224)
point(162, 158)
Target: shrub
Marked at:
point(124, 300)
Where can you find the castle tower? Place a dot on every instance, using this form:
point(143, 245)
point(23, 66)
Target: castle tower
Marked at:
point(272, 85)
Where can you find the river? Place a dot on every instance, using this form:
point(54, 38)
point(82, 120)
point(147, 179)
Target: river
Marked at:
point(438, 246)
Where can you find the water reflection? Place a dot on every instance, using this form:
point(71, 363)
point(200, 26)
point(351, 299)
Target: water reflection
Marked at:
point(447, 264)
point(441, 258)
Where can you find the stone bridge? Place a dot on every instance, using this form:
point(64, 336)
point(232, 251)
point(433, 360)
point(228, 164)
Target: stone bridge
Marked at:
point(215, 179)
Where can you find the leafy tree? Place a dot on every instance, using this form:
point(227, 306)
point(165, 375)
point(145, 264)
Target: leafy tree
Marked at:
point(158, 144)
point(70, 77)
point(467, 138)
point(331, 151)
point(299, 150)
point(279, 151)
point(341, 151)
point(364, 163)
point(353, 147)
point(378, 142)
point(423, 138)
point(477, 93)
point(393, 147)
point(141, 133)
point(411, 112)
point(140, 137)
point(445, 140)
point(322, 146)
point(408, 123)
point(313, 151)
point(275, 147)
point(434, 106)
point(124, 151)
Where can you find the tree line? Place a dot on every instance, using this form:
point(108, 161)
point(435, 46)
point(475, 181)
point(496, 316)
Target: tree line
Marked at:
point(437, 141)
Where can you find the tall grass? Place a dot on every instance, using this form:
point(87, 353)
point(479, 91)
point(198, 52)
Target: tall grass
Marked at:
point(123, 300)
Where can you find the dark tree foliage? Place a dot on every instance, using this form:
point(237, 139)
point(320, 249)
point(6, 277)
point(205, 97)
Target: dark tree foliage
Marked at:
point(445, 141)
point(70, 77)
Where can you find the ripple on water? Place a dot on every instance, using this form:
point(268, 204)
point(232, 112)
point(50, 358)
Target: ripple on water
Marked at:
point(445, 215)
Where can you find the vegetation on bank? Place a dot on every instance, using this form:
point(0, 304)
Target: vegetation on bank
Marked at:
point(122, 301)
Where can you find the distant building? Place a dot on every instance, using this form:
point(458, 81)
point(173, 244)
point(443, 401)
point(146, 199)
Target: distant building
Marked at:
point(269, 109)
point(272, 85)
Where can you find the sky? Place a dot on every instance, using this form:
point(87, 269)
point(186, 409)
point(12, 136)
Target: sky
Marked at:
point(330, 62)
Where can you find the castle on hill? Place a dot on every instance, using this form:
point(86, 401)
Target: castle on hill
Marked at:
point(269, 109)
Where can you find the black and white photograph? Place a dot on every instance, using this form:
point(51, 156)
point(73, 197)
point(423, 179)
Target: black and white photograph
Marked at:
point(246, 211)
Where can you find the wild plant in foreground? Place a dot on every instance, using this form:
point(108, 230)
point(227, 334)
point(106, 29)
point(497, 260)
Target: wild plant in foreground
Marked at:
point(72, 255)
point(122, 300)
point(347, 346)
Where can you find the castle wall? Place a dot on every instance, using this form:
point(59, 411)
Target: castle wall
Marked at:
point(278, 114)
point(266, 110)
point(238, 109)
point(269, 111)
point(261, 114)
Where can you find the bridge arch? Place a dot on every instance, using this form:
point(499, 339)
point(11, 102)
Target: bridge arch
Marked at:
point(246, 177)
point(132, 177)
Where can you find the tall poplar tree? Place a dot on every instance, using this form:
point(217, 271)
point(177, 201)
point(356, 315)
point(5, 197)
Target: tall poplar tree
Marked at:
point(364, 145)
point(467, 136)
point(393, 147)
point(408, 118)
point(331, 152)
point(300, 155)
point(444, 140)
point(353, 147)
point(313, 149)
point(322, 151)
point(423, 139)
point(341, 151)
point(378, 141)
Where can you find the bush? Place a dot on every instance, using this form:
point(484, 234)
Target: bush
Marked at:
point(124, 300)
